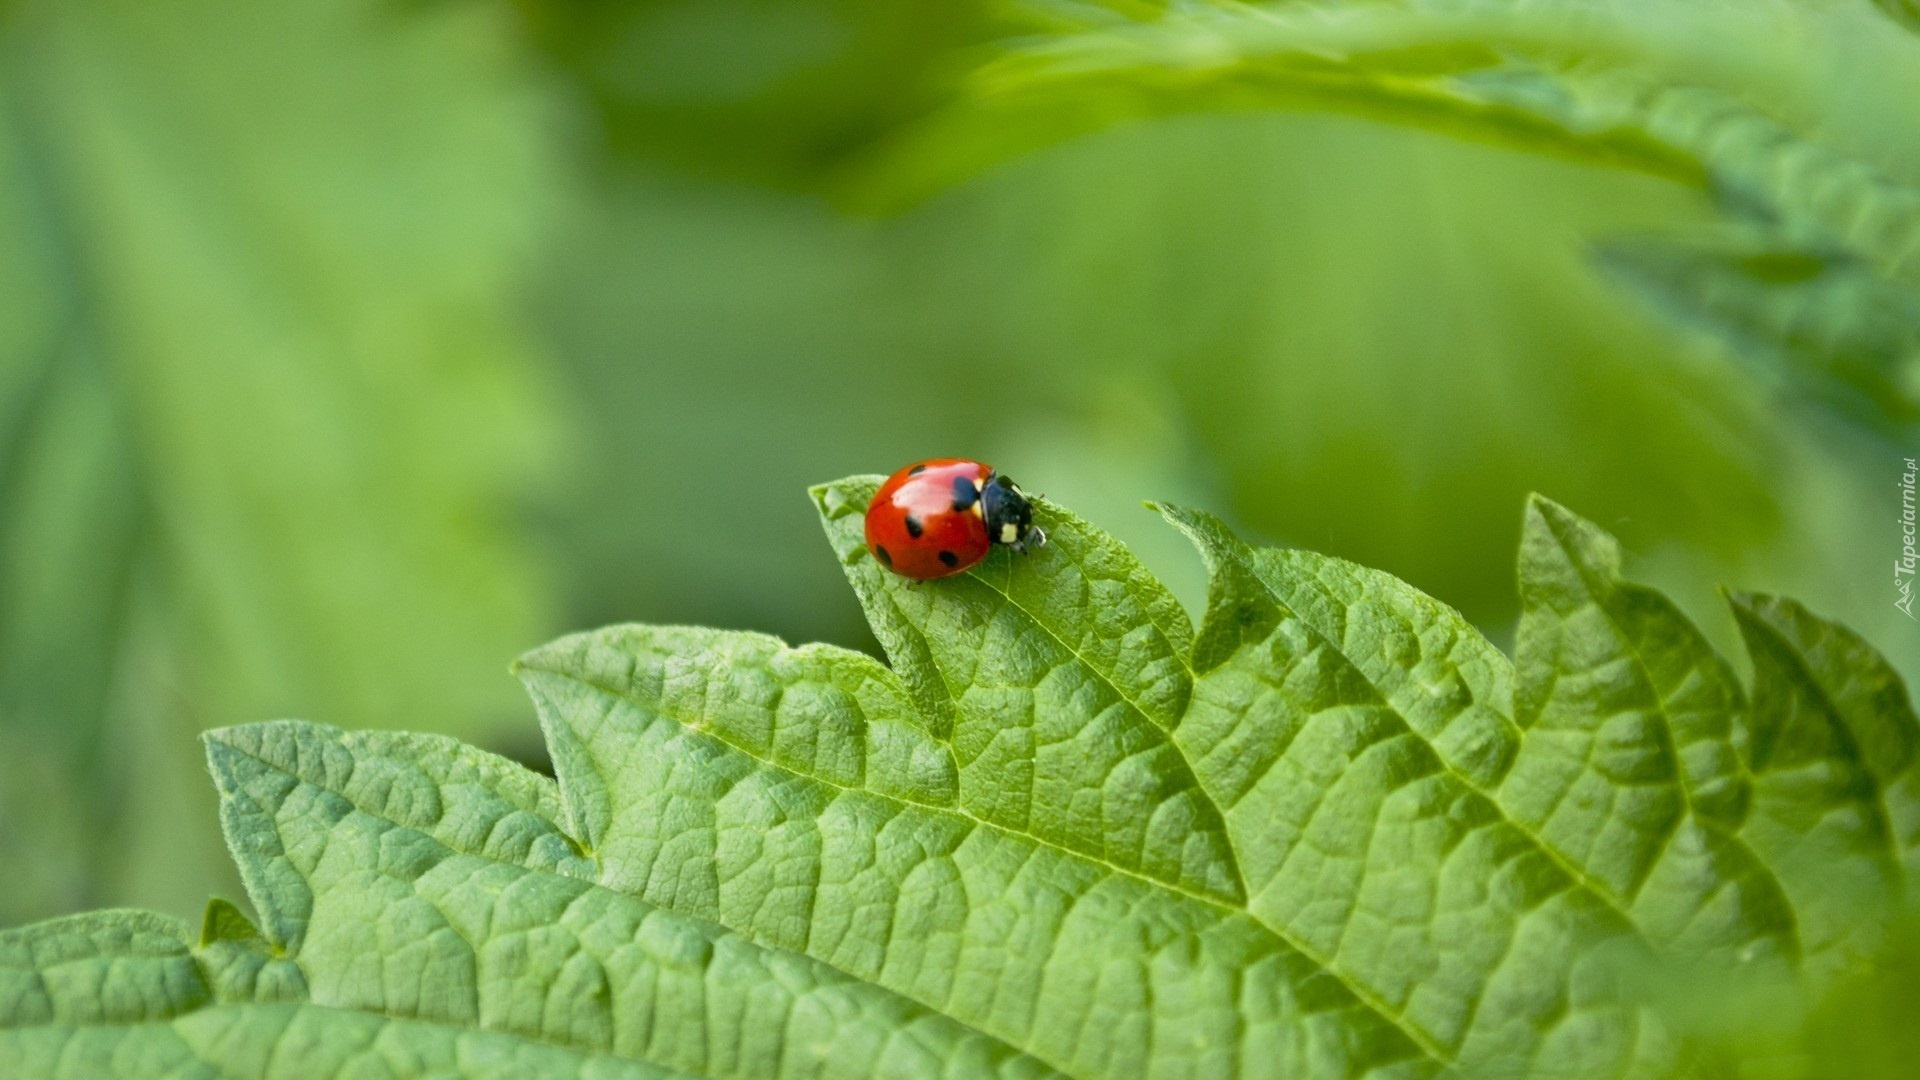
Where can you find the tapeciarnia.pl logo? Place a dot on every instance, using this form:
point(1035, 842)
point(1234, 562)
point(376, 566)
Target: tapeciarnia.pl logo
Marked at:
point(1903, 567)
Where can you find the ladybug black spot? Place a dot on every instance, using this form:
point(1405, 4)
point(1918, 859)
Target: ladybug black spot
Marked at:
point(916, 470)
point(914, 528)
point(885, 559)
point(964, 494)
point(949, 558)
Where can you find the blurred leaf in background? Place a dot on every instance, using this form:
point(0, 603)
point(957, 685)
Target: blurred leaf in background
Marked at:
point(1762, 1026)
point(266, 405)
point(770, 91)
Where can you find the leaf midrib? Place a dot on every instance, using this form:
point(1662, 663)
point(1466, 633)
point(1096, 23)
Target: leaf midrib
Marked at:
point(1005, 592)
point(1198, 789)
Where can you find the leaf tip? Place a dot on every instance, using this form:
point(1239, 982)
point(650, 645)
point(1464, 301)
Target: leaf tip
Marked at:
point(1208, 533)
point(1178, 516)
point(1546, 511)
point(218, 743)
point(1753, 610)
point(558, 656)
point(224, 921)
point(1781, 617)
point(1551, 532)
point(836, 499)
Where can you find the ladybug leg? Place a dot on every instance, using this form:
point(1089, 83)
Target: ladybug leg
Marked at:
point(1037, 537)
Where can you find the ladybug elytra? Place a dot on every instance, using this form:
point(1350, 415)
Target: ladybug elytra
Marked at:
point(939, 517)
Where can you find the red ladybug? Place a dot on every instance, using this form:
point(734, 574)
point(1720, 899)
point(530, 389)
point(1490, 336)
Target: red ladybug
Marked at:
point(938, 517)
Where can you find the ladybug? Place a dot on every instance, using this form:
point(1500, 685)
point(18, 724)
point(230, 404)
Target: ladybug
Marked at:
point(938, 517)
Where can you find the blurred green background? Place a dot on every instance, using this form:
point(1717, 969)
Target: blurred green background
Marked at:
point(349, 348)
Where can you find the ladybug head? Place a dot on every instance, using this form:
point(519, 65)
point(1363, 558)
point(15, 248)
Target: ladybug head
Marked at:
point(1009, 514)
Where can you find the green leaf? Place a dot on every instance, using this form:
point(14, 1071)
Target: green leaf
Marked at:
point(1633, 764)
point(1364, 814)
point(424, 908)
point(1398, 64)
point(1335, 832)
point(1045, 892)
point(1466, 878)
point(1822, 323)
point(1832, 740)
point(1765, 168)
